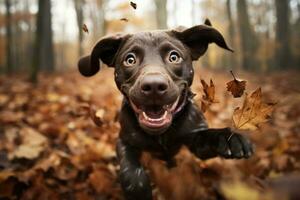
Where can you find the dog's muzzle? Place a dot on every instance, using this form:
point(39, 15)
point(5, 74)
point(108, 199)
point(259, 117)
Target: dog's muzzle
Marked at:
point(155, 98)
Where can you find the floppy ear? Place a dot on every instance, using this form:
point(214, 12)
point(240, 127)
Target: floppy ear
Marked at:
point(105, 49)
point(197, 38)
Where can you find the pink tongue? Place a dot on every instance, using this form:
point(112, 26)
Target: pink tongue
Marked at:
point(155, 114)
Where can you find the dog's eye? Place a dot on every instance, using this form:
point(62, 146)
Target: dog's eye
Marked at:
point(174, 57)
point(130, 60)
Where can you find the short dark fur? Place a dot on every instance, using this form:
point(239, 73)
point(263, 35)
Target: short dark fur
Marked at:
point(188, 126)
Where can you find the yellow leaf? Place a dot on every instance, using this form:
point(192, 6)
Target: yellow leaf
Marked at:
point(239, 190)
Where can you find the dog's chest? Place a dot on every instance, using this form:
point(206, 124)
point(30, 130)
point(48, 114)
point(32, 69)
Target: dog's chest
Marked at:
point(167, 144)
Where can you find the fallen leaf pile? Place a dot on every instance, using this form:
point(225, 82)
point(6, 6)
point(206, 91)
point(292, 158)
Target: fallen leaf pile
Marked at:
point(57, 141)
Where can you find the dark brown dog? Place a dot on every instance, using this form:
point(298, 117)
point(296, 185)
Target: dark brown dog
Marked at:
point(154, 72)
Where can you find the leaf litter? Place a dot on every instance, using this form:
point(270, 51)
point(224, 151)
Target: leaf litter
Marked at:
point(69, 155)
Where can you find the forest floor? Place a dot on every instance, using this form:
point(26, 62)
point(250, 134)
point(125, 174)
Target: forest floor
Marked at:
point(57, 141)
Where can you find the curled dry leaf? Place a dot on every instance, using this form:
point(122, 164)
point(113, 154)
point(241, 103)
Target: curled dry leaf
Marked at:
point(253, 112)
point(209, 95)
point(85, 28)
point(236, 87)
point(133, 5)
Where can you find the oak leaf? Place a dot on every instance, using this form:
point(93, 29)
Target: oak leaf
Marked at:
point(236, 87)
point(253, 112)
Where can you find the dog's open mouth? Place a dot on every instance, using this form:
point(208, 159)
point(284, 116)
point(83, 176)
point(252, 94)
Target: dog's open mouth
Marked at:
point(154, 117)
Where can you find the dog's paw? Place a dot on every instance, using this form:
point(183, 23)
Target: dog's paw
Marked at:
point(234, 145)
point(135, 183)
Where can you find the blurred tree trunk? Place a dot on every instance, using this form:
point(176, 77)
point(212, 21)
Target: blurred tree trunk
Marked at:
point(44, 52)
point(18, 38)
point(98, 19)
point(9, 38)
point(283, 51)
point(27, 36)
point(79, 14)
point(193, 14)
point(102, 24)
point(161, 13)
point(296, 33)
point(247, 37)
point(231, 62)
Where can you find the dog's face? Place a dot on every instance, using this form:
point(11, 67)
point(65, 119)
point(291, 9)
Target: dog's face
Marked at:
point(153, 69)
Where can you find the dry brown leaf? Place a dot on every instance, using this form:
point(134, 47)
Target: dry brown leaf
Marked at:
point(97, 115)
point(101, 180)
point(124, 19)
point(33, 143)
point(133, 5)
point(5, 174)
point(236, 87)
point(209, 95)
point(3, 99)
point(253, 112)
point(209, 91)
point(85, 28)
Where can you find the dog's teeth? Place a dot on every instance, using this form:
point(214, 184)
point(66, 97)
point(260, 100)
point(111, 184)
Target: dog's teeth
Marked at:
point(145, 116)
point(175, 104)
point(155, 120)
point(165, 114)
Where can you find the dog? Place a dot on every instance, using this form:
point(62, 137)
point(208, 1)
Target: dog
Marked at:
point(154, 72)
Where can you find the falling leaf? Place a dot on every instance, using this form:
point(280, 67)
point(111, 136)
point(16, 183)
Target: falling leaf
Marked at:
point(209, 95)
point(236, 87)
point(253, 112)
point(85, 28)
point(124, 19)
point(209, 91)
point(133, 5)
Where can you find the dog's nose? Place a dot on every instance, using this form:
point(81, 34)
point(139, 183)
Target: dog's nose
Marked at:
point(154, 85)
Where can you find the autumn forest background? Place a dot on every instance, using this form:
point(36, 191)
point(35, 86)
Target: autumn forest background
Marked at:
point(58, 129)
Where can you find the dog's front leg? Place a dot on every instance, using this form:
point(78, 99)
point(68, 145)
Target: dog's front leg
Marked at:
point(210, 143)
point(134, 180)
